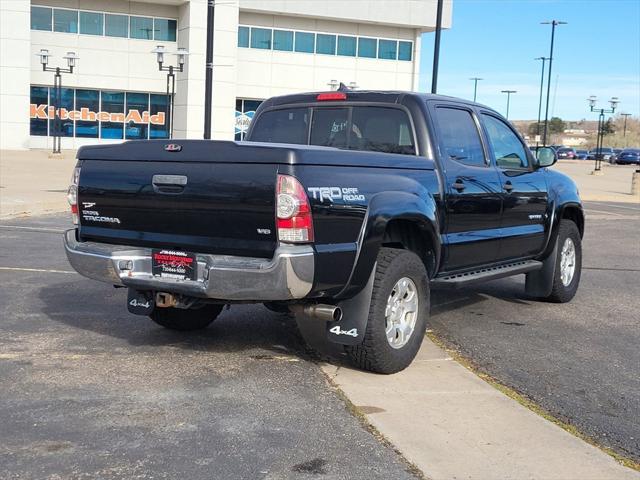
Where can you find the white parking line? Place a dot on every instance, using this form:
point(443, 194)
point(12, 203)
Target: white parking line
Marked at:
point(616, 206)
point(36, 229)
point(42, 270)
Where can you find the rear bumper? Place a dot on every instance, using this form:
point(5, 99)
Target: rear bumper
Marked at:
point(287, 276)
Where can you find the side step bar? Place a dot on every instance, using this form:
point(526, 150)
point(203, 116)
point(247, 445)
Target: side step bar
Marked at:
point(459, 280)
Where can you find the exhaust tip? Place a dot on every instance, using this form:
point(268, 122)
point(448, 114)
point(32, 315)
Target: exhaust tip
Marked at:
point(337, 314)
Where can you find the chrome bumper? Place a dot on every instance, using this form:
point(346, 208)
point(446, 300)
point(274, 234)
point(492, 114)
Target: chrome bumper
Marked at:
point(288, 275)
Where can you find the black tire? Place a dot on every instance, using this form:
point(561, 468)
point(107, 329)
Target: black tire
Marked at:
point(186, 320)
point(375, 353)
point(561, 293)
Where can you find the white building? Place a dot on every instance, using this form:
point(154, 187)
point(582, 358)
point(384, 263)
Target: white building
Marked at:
point(262, 48)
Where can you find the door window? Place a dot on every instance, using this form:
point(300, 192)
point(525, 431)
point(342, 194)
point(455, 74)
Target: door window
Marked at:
point(459, 137)
point(507, 147)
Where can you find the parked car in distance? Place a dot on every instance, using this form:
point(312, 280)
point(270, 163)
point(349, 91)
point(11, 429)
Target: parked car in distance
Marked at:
point(614, 157)
point(582, 154)
point(629, 156)
point(566, 153)
point(607, 153)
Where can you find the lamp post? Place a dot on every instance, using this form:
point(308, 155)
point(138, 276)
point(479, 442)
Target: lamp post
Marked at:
point(71, 58)
point(436, 48)
point(171, 78)
point(624, 131)
point(475, 86)
point(544, 59)
point(592, 105)
point(508, 92)
point(553, 24)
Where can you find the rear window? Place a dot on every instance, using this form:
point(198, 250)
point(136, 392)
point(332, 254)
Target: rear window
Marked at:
point(369, 128)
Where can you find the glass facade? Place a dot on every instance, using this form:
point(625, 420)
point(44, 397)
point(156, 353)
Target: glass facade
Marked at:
point(283, 40)
point(41, 18)
point(387, 49)
point(91, 23)
point(324, 43)
point(116, 25)
point(305, 42)
point(65, 21)
point(245, 110)
point(347, 46)
point(261, 38)
point(99, 23)
point(87, 113)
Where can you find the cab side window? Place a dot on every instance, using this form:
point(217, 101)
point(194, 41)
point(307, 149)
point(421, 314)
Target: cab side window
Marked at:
point(459, 137)
point(507, 147)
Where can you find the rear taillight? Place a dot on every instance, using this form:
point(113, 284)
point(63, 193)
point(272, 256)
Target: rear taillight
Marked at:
point(72, 195)
point(293, 212)
point(331, 96)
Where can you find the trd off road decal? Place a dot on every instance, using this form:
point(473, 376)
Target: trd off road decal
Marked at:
point(336, 194)
point(94, 215)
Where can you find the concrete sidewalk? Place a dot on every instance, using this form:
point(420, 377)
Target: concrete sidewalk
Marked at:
point(453, 425)
point(33, 184)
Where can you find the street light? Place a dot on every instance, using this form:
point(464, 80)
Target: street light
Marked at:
point(181, 53)
point(592, 106)
point(553, 24)
point(624, 134)
point(475, 86)
point(508, 92)
point(544, 59)
point(71, 59)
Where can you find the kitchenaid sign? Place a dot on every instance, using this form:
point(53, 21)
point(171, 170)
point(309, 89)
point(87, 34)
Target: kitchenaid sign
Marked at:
point(85, 114)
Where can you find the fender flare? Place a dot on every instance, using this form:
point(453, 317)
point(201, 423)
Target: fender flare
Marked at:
point(383, 208)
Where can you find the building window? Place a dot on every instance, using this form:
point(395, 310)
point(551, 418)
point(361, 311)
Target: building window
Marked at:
point(164, 30)
point(91, 23)
point(40, 18)
point(39, 96)
point(158, 104)
point(347, 46)
point(87, 101)
point(404, 51)
point(112, 102)
point(91, 114)
point(283, 40)
point(367, 47)
point(243, 37)
point(65, 21)
point(261, 38)
point(132, 129)
point(305, 42)
point(387, 49)
point(245, 110)
point(326, 44)
point(116, 25)
point(141, 27)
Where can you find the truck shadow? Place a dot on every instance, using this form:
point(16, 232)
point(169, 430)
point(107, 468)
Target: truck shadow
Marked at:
point(100, 309)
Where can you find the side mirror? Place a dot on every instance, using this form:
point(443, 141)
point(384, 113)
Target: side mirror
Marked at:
point(545, 157)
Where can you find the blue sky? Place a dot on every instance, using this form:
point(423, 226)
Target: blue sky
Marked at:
point(596, 53)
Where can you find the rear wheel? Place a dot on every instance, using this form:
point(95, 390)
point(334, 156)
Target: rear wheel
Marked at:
point(397, 314)
point(186, 320)
point(568, 268)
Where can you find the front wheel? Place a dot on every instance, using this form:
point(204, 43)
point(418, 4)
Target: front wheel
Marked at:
point(186, 320)
point(397, 313)
point(568, 267)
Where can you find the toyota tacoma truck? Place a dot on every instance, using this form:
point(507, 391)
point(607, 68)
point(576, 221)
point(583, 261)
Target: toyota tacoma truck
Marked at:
point(344, 208)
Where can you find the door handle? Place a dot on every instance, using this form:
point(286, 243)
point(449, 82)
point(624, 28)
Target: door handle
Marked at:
point(458, 185)
point(169, 184)
point(508, 187)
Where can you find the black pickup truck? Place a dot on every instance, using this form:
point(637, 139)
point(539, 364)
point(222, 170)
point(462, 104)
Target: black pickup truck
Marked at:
point(342, 207)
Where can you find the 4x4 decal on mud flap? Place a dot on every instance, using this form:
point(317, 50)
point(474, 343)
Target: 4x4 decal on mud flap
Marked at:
point(338, 331)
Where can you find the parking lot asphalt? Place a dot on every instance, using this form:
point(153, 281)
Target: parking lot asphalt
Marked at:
point(90, 391)
point(581, 360)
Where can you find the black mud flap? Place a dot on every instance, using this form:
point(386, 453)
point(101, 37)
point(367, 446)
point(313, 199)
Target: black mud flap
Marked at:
point(539, 283)
point(140, 302)
point(349, 330)
point(355, 314)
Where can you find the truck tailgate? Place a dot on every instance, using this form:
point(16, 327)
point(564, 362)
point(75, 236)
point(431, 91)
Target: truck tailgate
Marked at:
point(208, 207)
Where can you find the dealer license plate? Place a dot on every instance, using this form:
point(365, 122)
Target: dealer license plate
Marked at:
point(174, 264)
